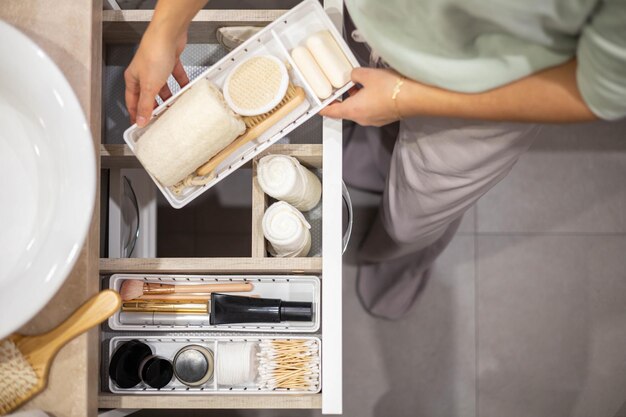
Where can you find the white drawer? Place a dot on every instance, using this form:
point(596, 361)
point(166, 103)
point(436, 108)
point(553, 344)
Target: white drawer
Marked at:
point(328, 266)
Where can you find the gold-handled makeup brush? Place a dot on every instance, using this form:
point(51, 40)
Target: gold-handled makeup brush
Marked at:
point(166, 306)
point(25, 360)
point(133, 288)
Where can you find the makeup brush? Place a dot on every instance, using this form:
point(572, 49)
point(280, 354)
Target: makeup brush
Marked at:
point(166, 306)
point(25, 360)
point(174, 297)
point(134, 288)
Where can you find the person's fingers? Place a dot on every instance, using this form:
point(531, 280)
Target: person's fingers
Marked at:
point(179, 74)
point(337, 110)
point(353, 90)
point(360, 75)
point(131, 95)
point(131, 98)
point(343, 109)
point(145, 105)
point(165, 92)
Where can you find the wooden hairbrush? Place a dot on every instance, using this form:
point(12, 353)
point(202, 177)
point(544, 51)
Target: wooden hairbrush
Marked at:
point(25, 360)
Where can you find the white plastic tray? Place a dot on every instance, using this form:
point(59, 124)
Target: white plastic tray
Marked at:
point(167, 347)
point(277, 39)
point(284, 287)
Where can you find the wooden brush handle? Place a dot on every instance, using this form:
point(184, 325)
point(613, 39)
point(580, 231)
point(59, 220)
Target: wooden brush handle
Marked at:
point(204, 297)
point(253, 133)
point(196, 289)
point(183, 297)
point(211, 288)
point(94, 311)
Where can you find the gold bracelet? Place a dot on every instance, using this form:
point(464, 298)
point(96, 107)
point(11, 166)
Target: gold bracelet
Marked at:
point(394, 95)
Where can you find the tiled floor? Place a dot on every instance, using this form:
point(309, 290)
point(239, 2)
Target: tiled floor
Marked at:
point(525, 313)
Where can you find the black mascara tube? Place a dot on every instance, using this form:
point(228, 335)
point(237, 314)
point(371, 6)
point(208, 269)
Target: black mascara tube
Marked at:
point(230, 309)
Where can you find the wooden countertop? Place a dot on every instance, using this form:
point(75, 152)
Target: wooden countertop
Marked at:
point(70, 32)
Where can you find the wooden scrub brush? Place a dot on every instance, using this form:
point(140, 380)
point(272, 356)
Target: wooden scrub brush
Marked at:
point(25, 360)
point(255, 127)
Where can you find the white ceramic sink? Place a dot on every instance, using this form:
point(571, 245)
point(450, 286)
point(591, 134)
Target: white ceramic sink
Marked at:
point(47, 179)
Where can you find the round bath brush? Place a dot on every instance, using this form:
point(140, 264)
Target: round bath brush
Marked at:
point(256, 85)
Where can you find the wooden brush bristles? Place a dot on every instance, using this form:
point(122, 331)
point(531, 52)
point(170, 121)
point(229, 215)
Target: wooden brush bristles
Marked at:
point(17, 377)
point(252, 121)
point(289, 364)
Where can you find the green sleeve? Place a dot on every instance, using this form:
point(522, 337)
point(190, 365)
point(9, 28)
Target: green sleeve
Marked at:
point(601, 73)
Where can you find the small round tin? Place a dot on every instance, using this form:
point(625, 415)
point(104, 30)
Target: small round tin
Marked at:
point(193, 365)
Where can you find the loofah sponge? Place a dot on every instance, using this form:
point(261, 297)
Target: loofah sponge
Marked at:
point(197, 126)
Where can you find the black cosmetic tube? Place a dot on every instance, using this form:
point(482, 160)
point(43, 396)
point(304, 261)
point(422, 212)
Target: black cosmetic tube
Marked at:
point(230, 309)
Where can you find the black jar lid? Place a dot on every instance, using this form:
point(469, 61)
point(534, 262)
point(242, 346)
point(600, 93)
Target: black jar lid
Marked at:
point(156, 372)
point(124, 366)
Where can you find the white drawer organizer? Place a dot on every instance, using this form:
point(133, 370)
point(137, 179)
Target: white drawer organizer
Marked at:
point(283, 287)
point(326, 270)
point(166, 347)
point(277, 39)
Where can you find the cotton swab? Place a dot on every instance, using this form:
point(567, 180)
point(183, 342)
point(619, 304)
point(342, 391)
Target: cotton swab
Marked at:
point(289, 364)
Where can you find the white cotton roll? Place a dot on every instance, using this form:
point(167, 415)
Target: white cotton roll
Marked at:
point(197, 126)
point(312, 72)
point(330, 58)
point(286, 230)
point(236, 363)
point(284, 178)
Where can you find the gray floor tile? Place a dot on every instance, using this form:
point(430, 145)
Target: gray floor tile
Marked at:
point(571, 180)
point(468, 224)
point(551, 331)
point(423, 365)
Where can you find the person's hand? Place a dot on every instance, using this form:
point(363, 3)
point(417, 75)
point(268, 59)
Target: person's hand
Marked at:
point(158, 56)
point(371, 105)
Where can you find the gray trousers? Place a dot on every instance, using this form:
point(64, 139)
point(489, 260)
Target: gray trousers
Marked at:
point(429, 174)
point(429, 171)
